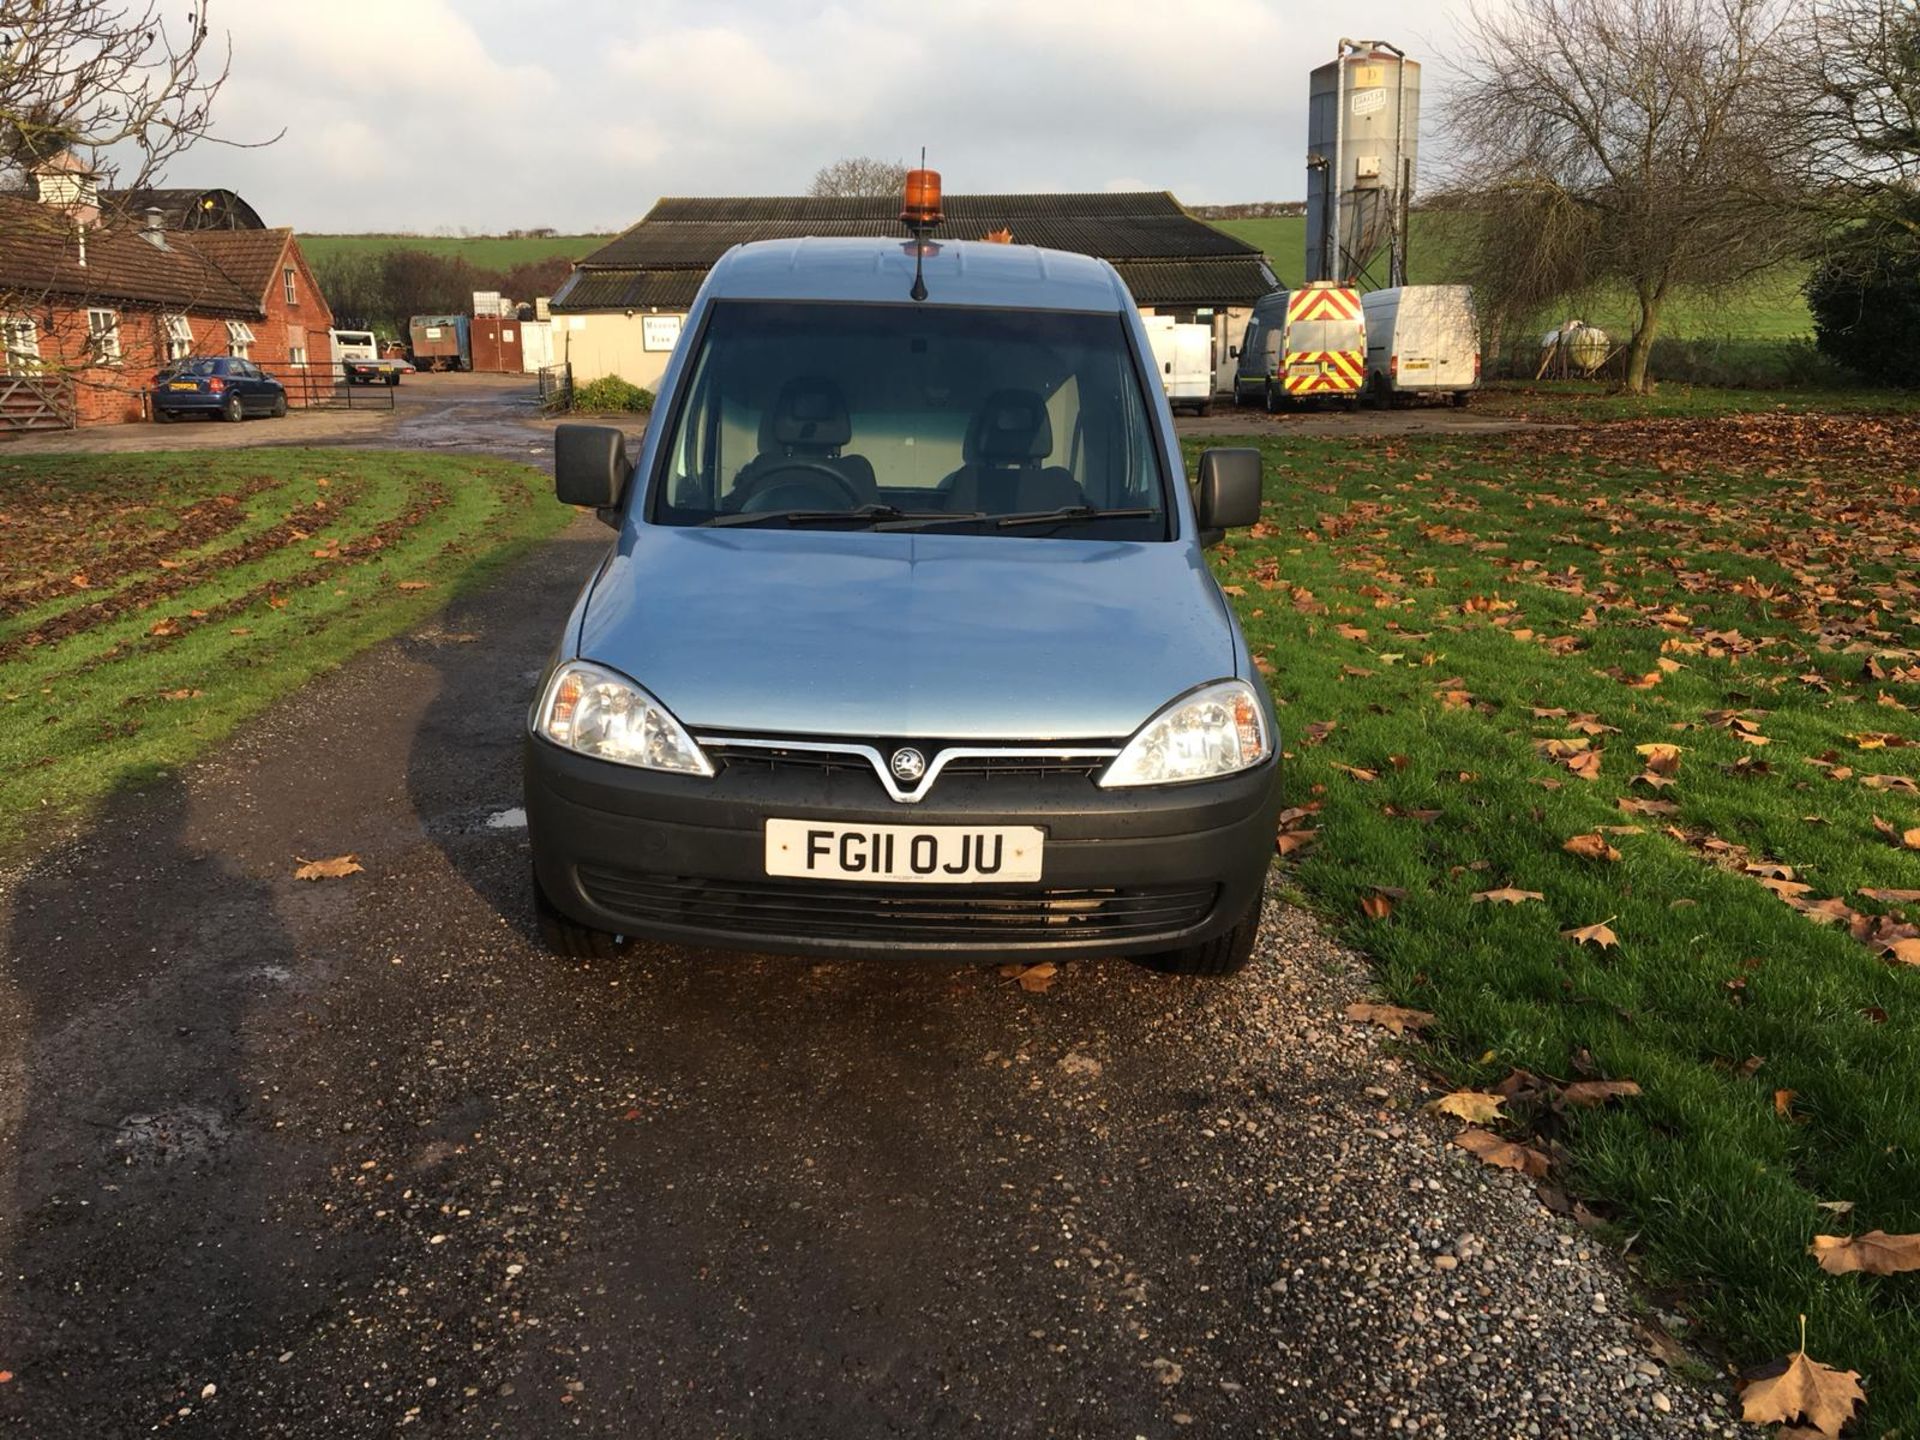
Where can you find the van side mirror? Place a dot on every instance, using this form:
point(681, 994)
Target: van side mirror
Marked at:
point(590, 466)
point(1228, 489)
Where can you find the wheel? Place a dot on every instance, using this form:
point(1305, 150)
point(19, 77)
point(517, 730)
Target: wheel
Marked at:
point(1223, 955)
point(279, 407)
point(165, 417)
point(1203, 409)
point(1462, 399)
point(566, 936)
point(234, 409)
point(1272, 399)
point(393, 378)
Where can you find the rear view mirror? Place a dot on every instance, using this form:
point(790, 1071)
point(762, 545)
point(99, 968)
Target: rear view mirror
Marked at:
point(1228, 489)
point(590, 466)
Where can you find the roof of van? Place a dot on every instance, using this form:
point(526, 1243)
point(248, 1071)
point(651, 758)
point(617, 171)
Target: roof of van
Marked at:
point(957, 272)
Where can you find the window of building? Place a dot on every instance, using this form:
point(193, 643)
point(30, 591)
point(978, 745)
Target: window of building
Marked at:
point(177, 335)
point(21, 340)
point(239, 338)
point(286, 279)
point(296, 347)
point(103, 336)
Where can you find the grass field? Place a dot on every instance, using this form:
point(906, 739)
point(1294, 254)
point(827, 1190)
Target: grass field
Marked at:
point(488, 252)
point(1563, 401)
point(1771, 309)
point(1473, 644)
point(150, 603)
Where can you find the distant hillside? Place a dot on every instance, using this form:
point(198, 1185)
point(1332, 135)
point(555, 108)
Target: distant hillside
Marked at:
point(488, 252)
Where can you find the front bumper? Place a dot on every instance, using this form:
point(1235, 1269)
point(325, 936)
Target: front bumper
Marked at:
point(679, 858)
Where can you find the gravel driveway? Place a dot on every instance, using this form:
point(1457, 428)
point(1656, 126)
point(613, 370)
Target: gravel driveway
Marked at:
point(338, 1159)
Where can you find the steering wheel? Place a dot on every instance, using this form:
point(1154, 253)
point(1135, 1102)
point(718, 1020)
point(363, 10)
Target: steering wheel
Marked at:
point(767, 488)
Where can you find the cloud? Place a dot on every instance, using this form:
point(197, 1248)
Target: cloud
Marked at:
point(420, 114)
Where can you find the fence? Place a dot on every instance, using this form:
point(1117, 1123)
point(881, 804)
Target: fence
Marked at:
point(316, 386)
point(36, 402)
point(556, 388)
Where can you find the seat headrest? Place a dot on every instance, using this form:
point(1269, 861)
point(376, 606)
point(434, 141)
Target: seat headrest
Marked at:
point(1011, 428)
point(809, 412)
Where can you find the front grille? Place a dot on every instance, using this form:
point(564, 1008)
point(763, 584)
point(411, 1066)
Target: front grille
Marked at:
point(908, 914)
point(819, 759)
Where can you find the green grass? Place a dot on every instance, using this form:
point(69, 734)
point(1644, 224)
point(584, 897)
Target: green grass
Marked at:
point(1454, 564)
point(1771, 308)
point(488, 252)
point(151, 603)
point(1582, 400)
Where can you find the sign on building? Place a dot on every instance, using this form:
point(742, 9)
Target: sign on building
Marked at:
point(659, 332)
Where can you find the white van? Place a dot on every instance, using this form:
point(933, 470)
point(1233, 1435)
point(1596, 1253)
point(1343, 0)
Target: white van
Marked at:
point(354, 345)
point(1183, 354)
point(1422, 340)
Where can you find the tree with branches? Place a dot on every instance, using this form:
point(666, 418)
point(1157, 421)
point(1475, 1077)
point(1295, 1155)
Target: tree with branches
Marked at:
point(126, 89)
point(1626, 143)
point(859, 175)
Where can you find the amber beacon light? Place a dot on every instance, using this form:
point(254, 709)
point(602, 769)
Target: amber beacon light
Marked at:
point(920, 200)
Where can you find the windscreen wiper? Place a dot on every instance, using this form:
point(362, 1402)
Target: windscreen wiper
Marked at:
point(1068, 513)
point(871, 514)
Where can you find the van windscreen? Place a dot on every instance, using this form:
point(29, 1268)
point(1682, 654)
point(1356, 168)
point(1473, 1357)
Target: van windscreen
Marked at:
point(953, 418)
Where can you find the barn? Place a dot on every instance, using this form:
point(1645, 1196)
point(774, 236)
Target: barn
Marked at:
point(619, 312)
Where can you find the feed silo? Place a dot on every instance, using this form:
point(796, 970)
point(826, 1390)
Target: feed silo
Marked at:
point(1363, 135)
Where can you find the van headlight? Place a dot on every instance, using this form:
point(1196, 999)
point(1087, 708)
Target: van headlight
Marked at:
point(592, 710)
point(1216, 730)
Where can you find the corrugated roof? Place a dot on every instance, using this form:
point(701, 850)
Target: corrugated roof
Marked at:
point(40, 255)
point(187, 209)
point(628, 289)
point(1166, 255)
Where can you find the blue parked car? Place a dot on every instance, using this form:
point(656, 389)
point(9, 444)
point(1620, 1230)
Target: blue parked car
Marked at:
point(222, 385)
point(906, 645)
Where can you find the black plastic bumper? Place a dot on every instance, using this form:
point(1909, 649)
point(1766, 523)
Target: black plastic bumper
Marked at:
point(682, 859)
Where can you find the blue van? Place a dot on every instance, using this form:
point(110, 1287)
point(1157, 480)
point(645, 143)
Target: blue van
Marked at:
point(906, 645)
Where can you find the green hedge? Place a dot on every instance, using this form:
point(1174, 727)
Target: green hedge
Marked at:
point(610, 392)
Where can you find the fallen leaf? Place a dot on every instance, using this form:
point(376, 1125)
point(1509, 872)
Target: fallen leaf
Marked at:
point(1591, 847)
point(1598, 1092)
point(1874, 1253)
point(1783, 1105)
point(1491, 1149)
point(1288, 841)
point(1376, 906)
point(1390, 1017)
point(169, 626)
point(1600, 934)
point(1662, 758)
point(1838, 1207)
point(1369, 776)
point(1507, 895)
point(1634, 805)
point(1892, 897)
point(1805, 1390)
point(1034, 979)
point(413, 585)
point(337, 868)
point(180, 694)
point(1475, 1105)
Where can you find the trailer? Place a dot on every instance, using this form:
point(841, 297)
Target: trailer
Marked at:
point(1305, 344)
point(440, 342)
point(1183, 354)
point(1422, 340)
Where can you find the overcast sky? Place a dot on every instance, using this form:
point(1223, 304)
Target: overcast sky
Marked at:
point(481, 115)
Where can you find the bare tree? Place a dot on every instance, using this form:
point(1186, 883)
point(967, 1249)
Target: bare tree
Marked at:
point(127, 88)
point(1848, 117)
point(1622, 142)
point(859, 175)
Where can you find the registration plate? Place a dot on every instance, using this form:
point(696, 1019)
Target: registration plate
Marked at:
point(184, 385)
point(1417, 365)
point(905, 854)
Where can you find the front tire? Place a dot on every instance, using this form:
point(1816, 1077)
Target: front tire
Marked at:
point(280, 407)
point(1226, 954)
point(234, 409)
point(1272, 399)
point(566, 936)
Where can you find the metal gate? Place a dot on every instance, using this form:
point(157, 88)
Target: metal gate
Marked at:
point(556, 388)
point(36, 402)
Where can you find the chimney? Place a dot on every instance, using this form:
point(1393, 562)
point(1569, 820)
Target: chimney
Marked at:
point(63, 182)
point(153, 229)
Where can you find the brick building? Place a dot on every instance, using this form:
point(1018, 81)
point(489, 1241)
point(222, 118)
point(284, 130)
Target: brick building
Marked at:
point(91, 307)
